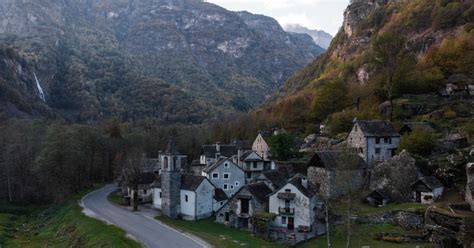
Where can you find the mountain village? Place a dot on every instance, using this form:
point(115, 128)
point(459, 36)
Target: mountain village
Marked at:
point(240, 186)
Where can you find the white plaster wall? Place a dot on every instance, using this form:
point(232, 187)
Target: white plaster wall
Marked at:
point(188, 208)
point(204, 199)
point(260, 146)
point(301, 203)
point(156, 198)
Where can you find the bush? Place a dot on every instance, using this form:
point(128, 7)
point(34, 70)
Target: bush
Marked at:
point(419, 142)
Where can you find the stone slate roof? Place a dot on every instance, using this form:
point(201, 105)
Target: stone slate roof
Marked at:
point(218, 163)
point(259, 190)
point(245, 154)
point(430, 182)
point(225, 150)
point(242, 144)
point(380, 194)
point(276, 177)
point(377, 128)
point(332, 160)
point(309, 191)
point(146, 178)
point(188, 182)
point(220, 195)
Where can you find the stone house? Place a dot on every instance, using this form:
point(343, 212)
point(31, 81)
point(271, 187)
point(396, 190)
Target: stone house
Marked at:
point(144, 188)
point(260, 146)
point(274, 179)
point(335, 173)
point(195, 198)
point(253, 164)
point(211, 153)
point(378, 198)
point(248, 201)
point(470, 185)
point(295, 204)
point(226, 175)
point(220, 199)
point(427, 190)
point(374, 141)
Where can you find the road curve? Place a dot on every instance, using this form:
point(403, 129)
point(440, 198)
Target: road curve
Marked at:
point(147, 231)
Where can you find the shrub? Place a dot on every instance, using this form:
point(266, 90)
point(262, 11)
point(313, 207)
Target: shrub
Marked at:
point(419, 142)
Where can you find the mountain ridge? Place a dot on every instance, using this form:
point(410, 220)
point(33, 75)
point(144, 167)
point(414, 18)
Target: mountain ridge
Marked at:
point(174, 61)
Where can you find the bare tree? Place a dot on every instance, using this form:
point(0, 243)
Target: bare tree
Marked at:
point(131, 172)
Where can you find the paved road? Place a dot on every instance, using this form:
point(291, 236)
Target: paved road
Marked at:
point(143, 228)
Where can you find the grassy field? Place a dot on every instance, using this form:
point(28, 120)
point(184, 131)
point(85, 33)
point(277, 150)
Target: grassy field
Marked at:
point(220, 236)
point(216, 234)
point(62, 226)
point(362, 236)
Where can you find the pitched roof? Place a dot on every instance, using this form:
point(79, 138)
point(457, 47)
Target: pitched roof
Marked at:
point(210, 151)
point(276, 177)
point(380, 193)
point(246, 154)
point(430, 182)
point(332, 160)
point(242, 144)
point(308, 191)
point(259, 190)
point(188, 182)
point(220, 195)
point(146, 178)
point(218, 163)
point(377, 128)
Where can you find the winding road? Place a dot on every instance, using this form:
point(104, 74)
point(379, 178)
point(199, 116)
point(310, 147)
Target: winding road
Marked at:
point(139, 225)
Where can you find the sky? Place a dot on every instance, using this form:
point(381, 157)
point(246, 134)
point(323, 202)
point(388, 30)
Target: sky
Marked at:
point(324, 15)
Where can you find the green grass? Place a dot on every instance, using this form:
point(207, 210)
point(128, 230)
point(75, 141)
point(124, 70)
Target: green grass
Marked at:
point(362, 236)
point(216, 234)
point(66, 226)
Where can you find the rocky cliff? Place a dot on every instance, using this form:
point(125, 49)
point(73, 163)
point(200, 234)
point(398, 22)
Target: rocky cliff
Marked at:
point(171, 60)
point(437, 44)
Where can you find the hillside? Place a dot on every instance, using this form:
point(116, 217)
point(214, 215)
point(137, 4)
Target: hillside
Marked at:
point(174, 61)
point(432, 43)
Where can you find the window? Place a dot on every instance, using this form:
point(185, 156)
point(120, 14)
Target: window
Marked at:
point(287, 203)
point(226, 175)
point(361, 150)
point(377, 140)
point(144, 191)
point(390, 140)
point(385, 140)
point(160, 194)
point(227, 216)
point(237, 184)
point(231, 187)
point(215, 175)
point(186, 198)
point(226, 165)
point(225, 186)
point(287, 190)
point(377, 150)
point(222, 203)
point(355, 128)
point(283, 220)
point(249, 175)
point(254, 165)
point(350, 140)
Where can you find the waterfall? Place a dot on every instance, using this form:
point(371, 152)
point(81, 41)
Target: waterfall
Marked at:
point(40, 90)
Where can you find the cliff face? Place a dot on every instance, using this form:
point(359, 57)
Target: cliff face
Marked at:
point(321, 38)
point(173, 60)
point(437, 44)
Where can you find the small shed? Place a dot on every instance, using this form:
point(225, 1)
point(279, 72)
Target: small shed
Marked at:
point(427, 190)
point(409, 127)
point(379, 198)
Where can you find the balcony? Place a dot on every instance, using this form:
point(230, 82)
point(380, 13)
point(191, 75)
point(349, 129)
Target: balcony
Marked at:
point(286, 211)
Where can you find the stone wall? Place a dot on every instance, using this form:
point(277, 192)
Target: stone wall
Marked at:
point(171, 192)
point(408, 220)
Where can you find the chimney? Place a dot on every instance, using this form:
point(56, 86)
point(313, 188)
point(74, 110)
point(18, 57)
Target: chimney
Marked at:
point(218, 146)
point(304, 182)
